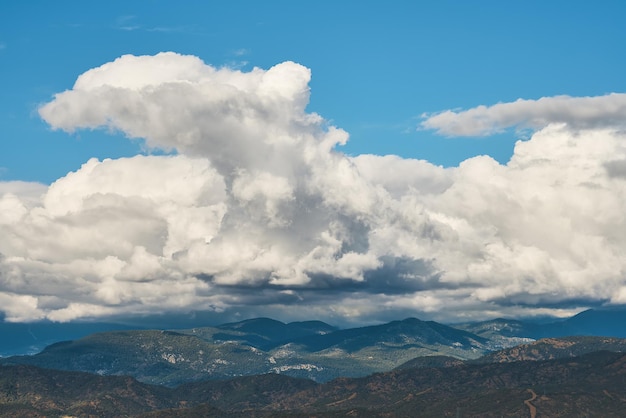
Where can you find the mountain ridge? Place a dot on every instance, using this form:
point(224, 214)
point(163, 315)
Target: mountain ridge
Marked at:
point(589, 384)
point(250, 347)
point(31, 338)
point(307, 349)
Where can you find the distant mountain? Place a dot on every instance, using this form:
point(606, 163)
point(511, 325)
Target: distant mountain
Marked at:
point(501, 327)
point(409, 333)
point(312, 349)
point(31, 338)
point(555, 348)
point(305, 349)
point(158, 357)
point(599, 322)
point(588, 385)
point(544, 349)
point(593, 322)
point(265, 333)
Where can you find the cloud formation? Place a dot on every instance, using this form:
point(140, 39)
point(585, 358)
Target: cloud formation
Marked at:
point(576, 112)
point(258, 212)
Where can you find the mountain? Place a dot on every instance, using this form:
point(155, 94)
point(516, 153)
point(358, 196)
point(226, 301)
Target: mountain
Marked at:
point(599, 322)
point(544, 349)
point(27, 391)
point(158, 357)
point(31, 338)
point(590, 385)
point(311, 350)
point(555, 348)
point(32, 391)
point(244, 393)
point(430, 362)
point(266, 333)
point(409, 333)
point(502, 332)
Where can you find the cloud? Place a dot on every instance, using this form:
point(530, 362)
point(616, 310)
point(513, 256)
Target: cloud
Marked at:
point(131, 23)
point(126, 23)
point(30, 192)
point(240, 52)
point(616, 168)
point(257, 213)
point(576, 112)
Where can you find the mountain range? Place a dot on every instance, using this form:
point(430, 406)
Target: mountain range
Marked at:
point(590, 384)
point(31, 338)
point(263, 367)
point(597, 322)
point(309, 349)
point(312, 350)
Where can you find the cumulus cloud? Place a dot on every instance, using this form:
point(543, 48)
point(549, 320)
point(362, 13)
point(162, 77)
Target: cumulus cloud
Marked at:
point(576, 112)
point(257, 212)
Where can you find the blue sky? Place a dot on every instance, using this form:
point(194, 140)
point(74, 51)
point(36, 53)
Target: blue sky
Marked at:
point(377, 66)
point(159, 156)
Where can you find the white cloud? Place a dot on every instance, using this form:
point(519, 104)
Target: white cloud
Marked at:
point(257, 213)
point(576, 112)
point(30, 192)
point(19, 308)
point(127, 23)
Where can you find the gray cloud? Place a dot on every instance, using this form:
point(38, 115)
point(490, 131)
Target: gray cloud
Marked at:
point(258, 214)
point(576, 112)
point(616, 168)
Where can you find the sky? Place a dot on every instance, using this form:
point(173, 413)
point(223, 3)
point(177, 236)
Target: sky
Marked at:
point(354, 162)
